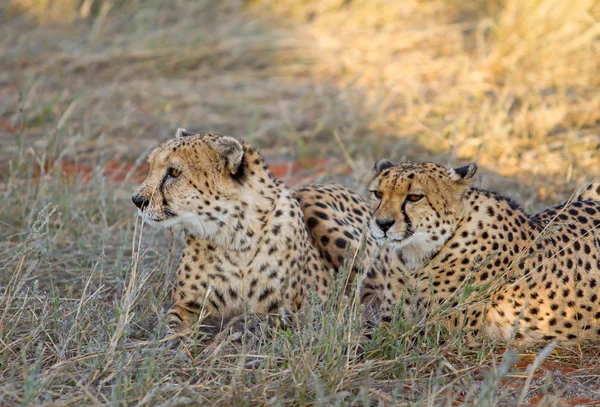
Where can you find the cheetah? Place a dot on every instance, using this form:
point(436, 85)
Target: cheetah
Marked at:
point(336, 218)
point(247, 249)
point(445, 236)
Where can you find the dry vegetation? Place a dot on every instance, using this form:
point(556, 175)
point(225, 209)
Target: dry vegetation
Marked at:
point(514, 85)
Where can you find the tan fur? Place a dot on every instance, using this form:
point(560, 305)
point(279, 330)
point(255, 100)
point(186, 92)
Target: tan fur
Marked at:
point(246, 247)
point(591, 192)
point(550, 271)
point(336, 218)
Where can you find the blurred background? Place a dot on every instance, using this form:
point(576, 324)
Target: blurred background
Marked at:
point(331, 85)
point(323, 88)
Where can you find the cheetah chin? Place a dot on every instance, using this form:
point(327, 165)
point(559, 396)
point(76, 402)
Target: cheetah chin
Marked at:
point(190, 222)
point(415, 249)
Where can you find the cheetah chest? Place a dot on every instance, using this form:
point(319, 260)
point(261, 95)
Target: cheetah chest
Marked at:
point(227, 283)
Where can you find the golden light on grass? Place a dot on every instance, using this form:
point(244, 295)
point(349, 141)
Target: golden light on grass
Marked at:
point(56, 11)
point(516, 89)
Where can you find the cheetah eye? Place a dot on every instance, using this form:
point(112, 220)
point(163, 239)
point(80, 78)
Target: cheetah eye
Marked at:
point(377, 194)
point(173, 172)
point(414, 197)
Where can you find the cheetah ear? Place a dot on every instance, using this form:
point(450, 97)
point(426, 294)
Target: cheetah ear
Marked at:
point(463, 174)
point(231, 150)
point(182, 133)
point(381, 165)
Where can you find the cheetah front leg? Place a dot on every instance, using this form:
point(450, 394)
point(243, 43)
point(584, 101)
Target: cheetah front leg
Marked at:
point(380, 292)
point(190, 306)
point(180, 318)
point(386, 310)
point(273, 311)
point(250, 326)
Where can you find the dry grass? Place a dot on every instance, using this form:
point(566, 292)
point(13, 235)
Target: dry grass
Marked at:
point(513, 85)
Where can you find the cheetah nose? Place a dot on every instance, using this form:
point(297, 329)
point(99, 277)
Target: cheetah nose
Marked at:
point(140, 201)
point(384, 224)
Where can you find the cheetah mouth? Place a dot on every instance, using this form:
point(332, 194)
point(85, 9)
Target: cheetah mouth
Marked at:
point(394, 240)
point(154, 220)
point(150, 219)
point(390, 239)
point(161, 223)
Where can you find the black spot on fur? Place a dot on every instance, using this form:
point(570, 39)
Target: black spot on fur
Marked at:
point(341, 243)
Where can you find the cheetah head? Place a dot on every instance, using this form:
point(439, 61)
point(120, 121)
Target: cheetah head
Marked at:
point(195, 180)
point(417, 206)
